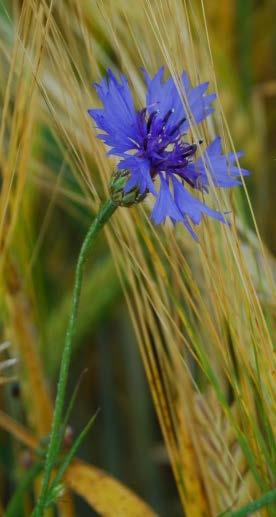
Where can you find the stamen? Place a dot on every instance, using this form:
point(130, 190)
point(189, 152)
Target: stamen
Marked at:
point(189, 181)
point(181, 165)
point(150, 120)
point(184, 177)
point(145, 141)
point(167, 116)
point(189, 151)
point(177, 126)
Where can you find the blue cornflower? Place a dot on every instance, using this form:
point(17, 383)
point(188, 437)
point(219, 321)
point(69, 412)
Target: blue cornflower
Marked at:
point(152, 143)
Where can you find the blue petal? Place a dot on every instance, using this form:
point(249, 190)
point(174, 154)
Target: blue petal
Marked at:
point(164, 96)
point(118, 117)
point(140, 174)
point(221, 168)
point(199, 104)
point(191, 206)
point(165, 205)
point(189, 228)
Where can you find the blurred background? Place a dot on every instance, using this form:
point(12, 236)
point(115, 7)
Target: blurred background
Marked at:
point(126, 440)
point(244, 42)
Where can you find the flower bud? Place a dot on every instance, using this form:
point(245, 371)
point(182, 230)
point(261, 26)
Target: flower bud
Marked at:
point(117, 192)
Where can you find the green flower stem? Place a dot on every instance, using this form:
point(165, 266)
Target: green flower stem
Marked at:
point(265, 500)
point(71, 454)
point(103, 216)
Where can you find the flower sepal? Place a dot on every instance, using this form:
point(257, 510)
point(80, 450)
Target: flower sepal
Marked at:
point(119, 196)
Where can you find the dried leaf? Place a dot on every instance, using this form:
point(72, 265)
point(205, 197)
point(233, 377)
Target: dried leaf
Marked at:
point(105, 494)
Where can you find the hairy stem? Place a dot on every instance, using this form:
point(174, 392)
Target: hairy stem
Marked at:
point(103, 216)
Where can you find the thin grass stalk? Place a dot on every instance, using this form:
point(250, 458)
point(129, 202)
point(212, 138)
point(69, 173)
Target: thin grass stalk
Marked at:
point(36, 395)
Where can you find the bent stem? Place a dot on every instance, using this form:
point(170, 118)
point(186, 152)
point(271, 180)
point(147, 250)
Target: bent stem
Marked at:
point(103, 216)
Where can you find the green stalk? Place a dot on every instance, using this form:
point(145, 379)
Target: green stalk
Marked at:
point(69, 457)
point(265, 500)
point(103, 216)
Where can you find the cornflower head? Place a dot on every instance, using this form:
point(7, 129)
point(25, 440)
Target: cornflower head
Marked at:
point(152, 144)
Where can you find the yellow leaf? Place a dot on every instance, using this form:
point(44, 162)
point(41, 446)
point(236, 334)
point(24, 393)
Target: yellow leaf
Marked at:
point(105, 494)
